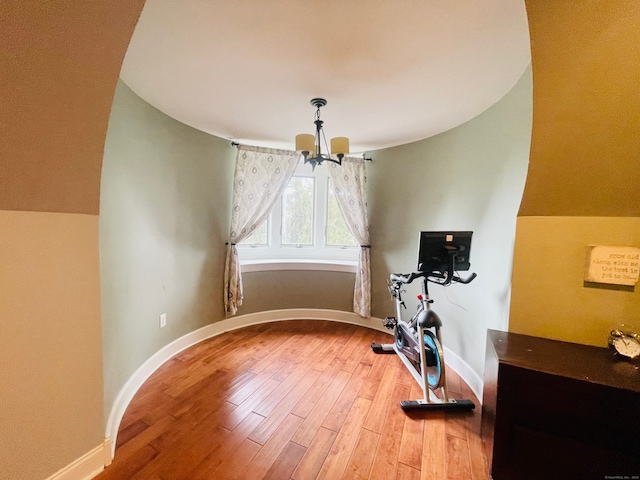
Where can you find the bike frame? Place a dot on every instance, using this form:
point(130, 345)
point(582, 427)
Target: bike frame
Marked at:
point(417, 328)
point(414, 326)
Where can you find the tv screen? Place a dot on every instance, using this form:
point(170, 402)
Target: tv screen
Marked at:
point(439, 249)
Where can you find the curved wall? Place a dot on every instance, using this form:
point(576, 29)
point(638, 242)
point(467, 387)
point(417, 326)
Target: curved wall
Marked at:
point(583, 186)
point(164, 220)
point(275, 290)
point(166, 191)
point(60, 64)
point(469, 178)
point(56, 95)
point(584, 141)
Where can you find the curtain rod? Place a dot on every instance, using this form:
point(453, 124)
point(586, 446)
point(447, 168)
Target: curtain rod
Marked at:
point(364, 157)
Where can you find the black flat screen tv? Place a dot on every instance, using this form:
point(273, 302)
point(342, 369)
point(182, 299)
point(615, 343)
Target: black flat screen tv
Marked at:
point(444, 252)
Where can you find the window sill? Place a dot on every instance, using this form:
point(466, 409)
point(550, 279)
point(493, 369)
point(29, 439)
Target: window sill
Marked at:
point(298, 264)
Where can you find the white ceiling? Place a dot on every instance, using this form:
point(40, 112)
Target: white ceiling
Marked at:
point(392, 71)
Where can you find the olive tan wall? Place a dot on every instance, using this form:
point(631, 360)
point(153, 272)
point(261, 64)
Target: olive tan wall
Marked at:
point(586, 109)
point(50, 348)
point(60, 63)
point(583, 185)
point(550, 298)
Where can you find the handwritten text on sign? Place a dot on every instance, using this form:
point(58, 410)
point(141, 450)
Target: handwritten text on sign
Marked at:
point(613, 265)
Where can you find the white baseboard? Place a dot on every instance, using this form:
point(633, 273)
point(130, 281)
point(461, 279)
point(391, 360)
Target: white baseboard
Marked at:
point(138, 378)
point(87, 466)
point(466, 373)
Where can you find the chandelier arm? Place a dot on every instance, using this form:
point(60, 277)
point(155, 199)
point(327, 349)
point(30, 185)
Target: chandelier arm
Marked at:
point(319, 133)
point(329, 159)
point(327, 155)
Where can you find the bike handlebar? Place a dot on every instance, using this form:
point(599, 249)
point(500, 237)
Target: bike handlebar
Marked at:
point(457, 279)
point(469, 279)
point(403, 278)
point(408, 278)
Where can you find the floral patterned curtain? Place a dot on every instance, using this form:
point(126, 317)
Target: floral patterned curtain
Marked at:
point(349, 183)
point(261, 176)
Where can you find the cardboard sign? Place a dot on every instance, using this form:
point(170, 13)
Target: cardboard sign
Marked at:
point(613, 265)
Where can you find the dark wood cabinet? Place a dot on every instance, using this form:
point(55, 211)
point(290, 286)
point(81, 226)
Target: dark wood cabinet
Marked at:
point(559, 410)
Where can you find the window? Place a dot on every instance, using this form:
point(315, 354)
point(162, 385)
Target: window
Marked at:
point(297, 212)
point(259, 236)
point(338, 234)
point(306, 223)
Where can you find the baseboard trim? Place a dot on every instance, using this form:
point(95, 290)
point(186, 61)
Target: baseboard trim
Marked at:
point(466, 373)
point(138, 378)
point(87, 466)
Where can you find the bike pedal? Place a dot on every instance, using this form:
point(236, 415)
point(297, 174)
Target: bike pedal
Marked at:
point(389, 322)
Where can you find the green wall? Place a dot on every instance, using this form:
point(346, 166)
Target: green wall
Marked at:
point(165, 203)
point(274, 290)
point(164, 218)
point(469, 178)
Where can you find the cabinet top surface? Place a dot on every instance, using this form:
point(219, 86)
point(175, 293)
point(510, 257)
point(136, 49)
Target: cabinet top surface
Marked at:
point(582, 362)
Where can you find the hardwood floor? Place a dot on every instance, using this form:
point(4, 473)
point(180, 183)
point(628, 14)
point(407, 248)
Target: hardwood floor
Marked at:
point(292, 400)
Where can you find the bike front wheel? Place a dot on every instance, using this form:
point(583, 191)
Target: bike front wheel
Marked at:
point(434, 356)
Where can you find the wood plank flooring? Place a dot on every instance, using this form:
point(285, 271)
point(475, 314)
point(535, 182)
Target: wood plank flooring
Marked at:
point(294, 400)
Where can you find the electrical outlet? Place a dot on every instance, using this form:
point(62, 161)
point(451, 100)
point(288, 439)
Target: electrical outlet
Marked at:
point(163, 320)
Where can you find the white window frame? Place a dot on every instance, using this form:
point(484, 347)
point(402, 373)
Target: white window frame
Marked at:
point(275, 256)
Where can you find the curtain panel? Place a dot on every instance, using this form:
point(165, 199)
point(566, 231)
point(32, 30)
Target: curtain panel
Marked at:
point(350, 182)
point(261, 175)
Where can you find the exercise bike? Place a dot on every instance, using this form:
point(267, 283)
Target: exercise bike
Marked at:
point(418, 342)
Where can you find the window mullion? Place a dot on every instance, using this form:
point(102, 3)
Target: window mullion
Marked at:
point(276, 225)
point(321, 211)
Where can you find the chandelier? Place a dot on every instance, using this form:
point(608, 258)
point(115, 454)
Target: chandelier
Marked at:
point(311, 145)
